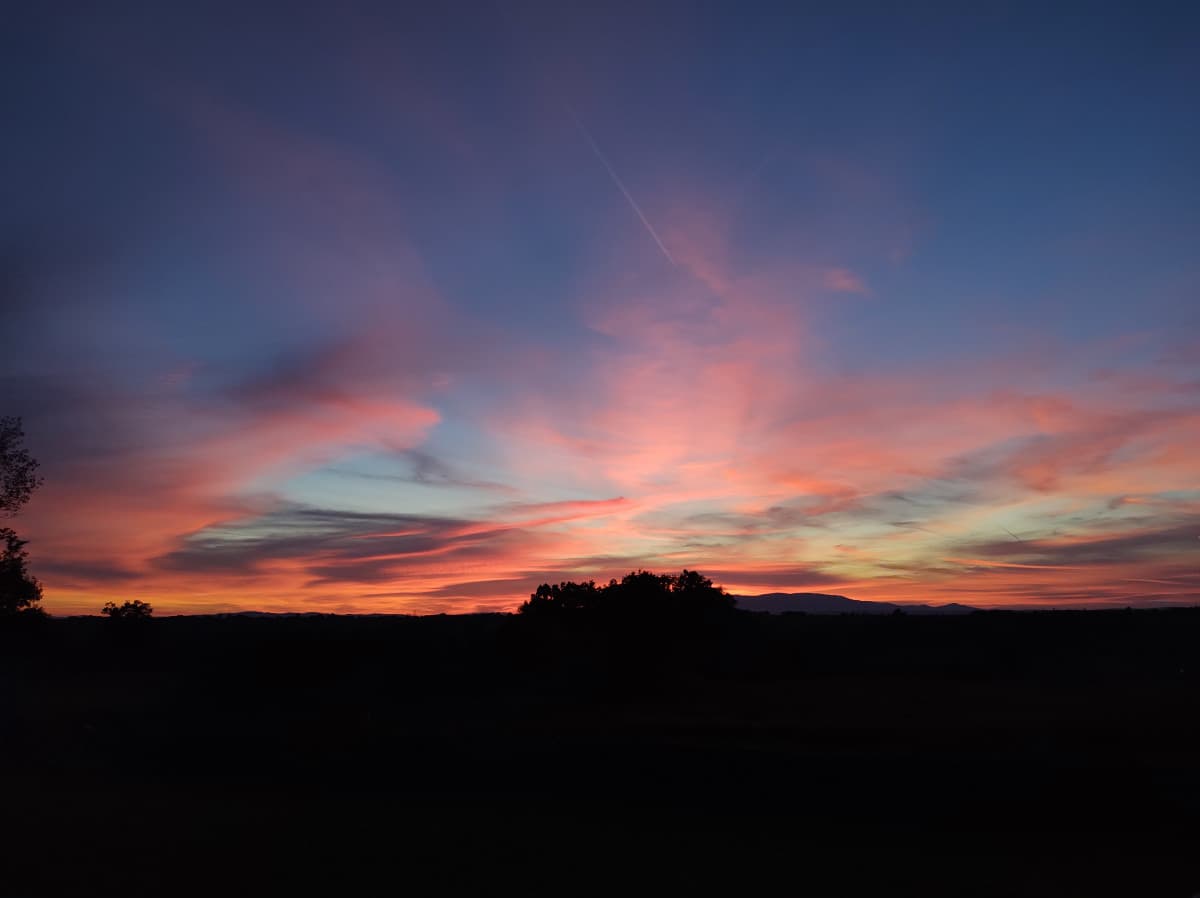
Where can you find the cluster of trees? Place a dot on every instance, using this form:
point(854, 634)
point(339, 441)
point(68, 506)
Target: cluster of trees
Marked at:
point(135, 610)
point(639, 594)
point(625, 634)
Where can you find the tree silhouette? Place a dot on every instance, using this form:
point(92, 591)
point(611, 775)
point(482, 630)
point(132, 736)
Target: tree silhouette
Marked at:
point(135, 610)
point(555, 598)
point(638, 595)
point(18, 469)
point(628, 634)
point(20, 592)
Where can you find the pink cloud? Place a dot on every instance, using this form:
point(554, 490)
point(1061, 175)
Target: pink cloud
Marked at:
point(697, 397)
point(842, 280)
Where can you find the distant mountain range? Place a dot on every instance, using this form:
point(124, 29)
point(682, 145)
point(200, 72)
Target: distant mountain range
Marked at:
point(823, 603)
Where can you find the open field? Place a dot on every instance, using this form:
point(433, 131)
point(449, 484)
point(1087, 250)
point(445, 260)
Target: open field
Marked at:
point(990, 754)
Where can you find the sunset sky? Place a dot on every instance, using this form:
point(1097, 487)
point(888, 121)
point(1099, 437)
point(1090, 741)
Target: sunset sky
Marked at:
point(365, 311)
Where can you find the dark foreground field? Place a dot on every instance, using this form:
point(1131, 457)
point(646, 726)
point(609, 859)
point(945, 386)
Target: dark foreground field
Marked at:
point(995, 754)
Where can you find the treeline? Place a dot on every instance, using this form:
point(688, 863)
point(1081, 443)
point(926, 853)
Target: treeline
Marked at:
point(639, 594)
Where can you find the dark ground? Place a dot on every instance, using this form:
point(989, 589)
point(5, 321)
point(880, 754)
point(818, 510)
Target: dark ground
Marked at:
point(1048, 754)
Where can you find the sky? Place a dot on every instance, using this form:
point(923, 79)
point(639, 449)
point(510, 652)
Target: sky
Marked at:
point(359, 308)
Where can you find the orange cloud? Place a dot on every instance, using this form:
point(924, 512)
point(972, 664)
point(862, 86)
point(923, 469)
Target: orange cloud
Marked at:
point(701, 397)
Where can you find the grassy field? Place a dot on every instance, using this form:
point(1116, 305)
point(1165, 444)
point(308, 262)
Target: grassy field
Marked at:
point(996, 754)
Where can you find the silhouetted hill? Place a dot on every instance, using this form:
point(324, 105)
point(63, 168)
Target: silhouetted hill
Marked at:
point(825, 603)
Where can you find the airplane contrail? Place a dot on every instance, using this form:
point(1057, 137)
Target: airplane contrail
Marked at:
point(1013, 535)
point(616, 180)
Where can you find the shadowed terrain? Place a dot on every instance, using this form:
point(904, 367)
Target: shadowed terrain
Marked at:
point(333, 330)
point(988, 754)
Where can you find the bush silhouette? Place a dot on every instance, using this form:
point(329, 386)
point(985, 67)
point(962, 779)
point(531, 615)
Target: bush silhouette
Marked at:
point(135, 610)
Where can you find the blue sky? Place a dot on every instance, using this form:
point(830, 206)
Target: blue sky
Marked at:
point(271, 269)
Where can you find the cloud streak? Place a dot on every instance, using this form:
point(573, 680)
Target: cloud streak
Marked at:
point(621, 186)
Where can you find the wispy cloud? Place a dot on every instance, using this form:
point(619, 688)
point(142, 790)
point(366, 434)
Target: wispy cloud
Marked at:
point(292, 378)
point(621, 186)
